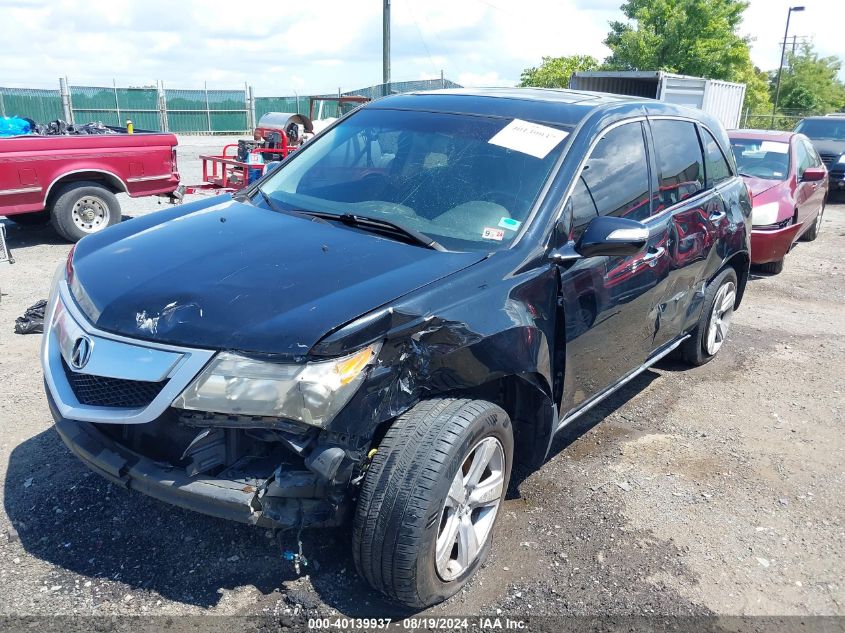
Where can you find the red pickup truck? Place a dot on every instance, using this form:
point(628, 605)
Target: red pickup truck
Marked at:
point(71, 181)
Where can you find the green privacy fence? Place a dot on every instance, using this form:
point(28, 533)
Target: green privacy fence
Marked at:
point(37, 104)
point(176, 110)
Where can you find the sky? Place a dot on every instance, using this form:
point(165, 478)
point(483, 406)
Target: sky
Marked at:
point(284, 48)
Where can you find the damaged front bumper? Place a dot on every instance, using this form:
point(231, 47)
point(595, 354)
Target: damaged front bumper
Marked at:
point(279, 501)
point(116, 415)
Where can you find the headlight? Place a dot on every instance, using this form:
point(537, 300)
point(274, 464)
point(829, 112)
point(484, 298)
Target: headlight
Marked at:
point(765, 214)
point(842, 159)
point(312, 393)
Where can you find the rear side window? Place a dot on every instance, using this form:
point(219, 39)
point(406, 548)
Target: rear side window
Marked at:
point(615, 179)
point(716, 168)
point(680, 164)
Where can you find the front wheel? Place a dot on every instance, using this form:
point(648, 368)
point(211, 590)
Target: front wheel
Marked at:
point(814, 230)
point(715, 320)
point(430, 498)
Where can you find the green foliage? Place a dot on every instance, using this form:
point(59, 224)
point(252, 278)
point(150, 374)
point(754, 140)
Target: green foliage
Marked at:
point(809, 83)
point(555, 72)
point(756, 88)
point(689, 37)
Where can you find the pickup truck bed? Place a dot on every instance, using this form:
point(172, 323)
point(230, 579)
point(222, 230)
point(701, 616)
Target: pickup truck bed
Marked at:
point(72, 180)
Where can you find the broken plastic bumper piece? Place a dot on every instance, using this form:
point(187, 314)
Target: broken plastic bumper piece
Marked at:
point(282, 500)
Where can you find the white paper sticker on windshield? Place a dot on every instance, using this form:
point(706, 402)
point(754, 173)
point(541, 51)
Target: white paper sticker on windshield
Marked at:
point(490, 233)
point(774, 146)
point(528, 138)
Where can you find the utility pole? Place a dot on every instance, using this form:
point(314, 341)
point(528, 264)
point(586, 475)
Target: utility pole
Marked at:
point(385, 49)
point(782, 55)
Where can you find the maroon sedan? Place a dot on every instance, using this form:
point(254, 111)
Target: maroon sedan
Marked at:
point(788, 184)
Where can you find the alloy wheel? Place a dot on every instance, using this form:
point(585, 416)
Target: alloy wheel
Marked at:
point(720, 317)
point(470, 508)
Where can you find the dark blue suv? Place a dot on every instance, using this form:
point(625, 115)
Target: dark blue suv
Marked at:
point(427, 291)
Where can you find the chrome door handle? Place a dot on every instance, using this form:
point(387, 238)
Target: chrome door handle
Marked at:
point(718, 216)
point(651, 257)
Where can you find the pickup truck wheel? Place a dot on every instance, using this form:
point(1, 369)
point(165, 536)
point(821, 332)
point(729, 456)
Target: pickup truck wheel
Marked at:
point(36, 218)
point(82, 208)
point(430, 498)
point(715, 320)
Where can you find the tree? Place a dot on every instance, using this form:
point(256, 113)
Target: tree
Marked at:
point(689, 37)
point(809, 83)
point(555, 72)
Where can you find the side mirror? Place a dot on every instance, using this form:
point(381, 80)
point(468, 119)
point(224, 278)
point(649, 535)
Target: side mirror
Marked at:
point(610, 236)
point(814, 174)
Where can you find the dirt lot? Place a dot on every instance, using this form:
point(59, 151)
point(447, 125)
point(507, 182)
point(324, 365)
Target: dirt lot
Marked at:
point(714, 490)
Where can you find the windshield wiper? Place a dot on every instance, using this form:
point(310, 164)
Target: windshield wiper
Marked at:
point(379, 225)
point(267, 199)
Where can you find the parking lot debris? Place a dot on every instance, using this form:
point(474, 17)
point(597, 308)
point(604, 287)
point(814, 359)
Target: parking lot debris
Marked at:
point(14, 126)
point(32, 321)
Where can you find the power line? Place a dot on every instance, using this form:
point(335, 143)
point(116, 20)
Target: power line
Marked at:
point(419, 31)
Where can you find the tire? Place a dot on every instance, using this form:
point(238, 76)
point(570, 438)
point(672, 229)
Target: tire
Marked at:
point(771, 268)
point(813, 232)
point(700, 348)
point(411, 496)
point(82, 208)
point(36, 218)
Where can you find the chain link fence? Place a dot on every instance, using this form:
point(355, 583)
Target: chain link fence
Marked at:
point(177, 110)
point(785, 120)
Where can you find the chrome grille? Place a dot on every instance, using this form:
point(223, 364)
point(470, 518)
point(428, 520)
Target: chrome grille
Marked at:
point(828, 159)
point(101, 391)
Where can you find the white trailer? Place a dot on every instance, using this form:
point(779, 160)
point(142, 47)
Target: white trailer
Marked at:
point(722, 99)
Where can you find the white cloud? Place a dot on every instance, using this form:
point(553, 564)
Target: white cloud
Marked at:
point(316, 47)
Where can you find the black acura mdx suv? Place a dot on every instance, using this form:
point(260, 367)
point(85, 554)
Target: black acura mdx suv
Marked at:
point(424, 293)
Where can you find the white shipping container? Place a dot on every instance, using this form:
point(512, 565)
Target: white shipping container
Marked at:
point(722, 99)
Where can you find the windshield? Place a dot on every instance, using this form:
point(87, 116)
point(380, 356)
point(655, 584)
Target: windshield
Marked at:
point(763, 159)
point(434, 173)
point(832, 128)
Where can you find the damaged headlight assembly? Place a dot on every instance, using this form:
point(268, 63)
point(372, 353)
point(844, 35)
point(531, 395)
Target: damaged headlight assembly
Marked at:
point(312, 393)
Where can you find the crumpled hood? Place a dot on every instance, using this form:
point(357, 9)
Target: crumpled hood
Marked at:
point(760, 185)
point(229, 275)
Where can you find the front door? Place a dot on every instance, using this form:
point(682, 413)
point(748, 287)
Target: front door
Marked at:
point(810, 194)
point(607, 300)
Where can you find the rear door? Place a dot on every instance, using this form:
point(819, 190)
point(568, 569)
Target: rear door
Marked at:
point(607, 299)
point(688, 214)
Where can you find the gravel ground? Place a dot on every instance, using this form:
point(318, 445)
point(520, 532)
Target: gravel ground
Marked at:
point(718, 490)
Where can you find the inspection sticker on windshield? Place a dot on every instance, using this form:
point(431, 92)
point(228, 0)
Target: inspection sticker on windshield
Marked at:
point(510, 224)
point(493, 234)
point(528, 138)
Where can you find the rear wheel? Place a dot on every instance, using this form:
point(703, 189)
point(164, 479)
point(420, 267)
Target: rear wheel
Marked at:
point(715, 320)
point(37, 218)
point(430, 499)
point(771, 268)
point(82, 208)
point(813, 232)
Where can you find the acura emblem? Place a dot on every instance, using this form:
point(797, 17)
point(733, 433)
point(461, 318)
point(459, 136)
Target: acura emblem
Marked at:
point(81, 353)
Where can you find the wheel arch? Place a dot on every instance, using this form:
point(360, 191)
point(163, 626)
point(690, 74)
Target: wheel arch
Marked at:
point(527, 400)
point(110, 180)
point(741, 263)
